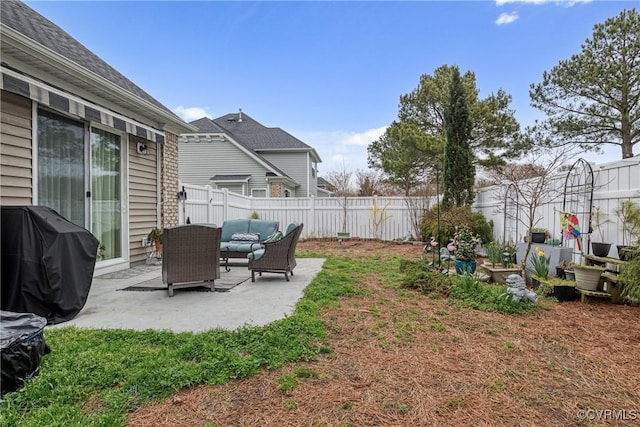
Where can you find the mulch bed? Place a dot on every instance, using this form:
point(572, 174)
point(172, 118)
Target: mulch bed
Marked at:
point(405, 359)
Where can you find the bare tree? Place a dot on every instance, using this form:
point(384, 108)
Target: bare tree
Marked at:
point(369, 183)
point(342, 182)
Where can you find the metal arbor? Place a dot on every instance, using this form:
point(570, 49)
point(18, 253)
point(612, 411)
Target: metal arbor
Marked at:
point(578, 197)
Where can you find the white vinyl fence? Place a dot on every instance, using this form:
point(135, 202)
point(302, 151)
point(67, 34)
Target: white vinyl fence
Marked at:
point(613, 183)
point(387, 218)
point(323, 216)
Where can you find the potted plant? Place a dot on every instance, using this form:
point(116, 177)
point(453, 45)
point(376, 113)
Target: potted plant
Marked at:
point(466, 242)
point(562, 290)
point(588, 276)
point(539, 266)
point(499, 262)
point(560, 269)
point(155, 238)
point(539, 235)
point(629, 213)
point(598, 220)
point(494, 253)
point(569, 274)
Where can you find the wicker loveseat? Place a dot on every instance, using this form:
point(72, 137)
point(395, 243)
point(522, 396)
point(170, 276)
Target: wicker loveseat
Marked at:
point(240, 235)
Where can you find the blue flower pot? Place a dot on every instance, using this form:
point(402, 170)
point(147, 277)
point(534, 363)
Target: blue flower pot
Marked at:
point(464, 266)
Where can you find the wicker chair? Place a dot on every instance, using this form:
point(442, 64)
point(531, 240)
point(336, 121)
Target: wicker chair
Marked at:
point(190, 256)
point(276, 257)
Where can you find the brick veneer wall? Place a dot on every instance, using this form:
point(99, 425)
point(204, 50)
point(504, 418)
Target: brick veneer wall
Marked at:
point(276, 189)
point(170, 180)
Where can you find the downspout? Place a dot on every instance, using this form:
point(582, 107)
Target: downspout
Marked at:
point(308, 177)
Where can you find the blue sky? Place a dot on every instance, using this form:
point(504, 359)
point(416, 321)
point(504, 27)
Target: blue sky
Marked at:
point(330, 73)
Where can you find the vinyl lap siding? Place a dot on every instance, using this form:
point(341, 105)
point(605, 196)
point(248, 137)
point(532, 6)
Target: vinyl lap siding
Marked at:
point(15, 150)
point(199, 161)
point(294, 165)
point(143, 196)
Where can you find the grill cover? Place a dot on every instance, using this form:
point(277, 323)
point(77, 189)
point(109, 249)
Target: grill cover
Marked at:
point(22, 345)
point(47, 263)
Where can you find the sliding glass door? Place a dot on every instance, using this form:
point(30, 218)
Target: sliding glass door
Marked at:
point(61, 166)
point(106, 192)
point(80, 176)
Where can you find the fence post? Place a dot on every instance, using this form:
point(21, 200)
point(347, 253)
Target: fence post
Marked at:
point(312, 215)
point(180, 205)
point(209, 205)
point(225, 203)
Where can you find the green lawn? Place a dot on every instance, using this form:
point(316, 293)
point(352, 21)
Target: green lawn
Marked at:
point(96, 377)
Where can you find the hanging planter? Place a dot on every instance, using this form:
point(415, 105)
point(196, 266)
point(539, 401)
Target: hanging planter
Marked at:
point(587, 276)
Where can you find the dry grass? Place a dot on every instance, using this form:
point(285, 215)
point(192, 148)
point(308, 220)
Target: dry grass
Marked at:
point(403, 359)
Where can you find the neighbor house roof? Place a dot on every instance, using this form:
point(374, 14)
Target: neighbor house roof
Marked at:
point(206, 125)
point(257, 137)
point(73, 62)
point(254, 137)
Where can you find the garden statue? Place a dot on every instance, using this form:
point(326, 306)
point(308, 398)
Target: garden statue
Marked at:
point(516, 287)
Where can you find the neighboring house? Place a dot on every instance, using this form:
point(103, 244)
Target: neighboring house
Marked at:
point(325, 189)
point(238, 153)
point(79, 137)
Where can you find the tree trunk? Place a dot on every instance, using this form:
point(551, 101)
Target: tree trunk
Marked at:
point(627, 148)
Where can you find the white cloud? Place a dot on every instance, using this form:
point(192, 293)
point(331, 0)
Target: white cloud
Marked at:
point(341, 149)
point(507, 18)
point(365, 138)
point(189, 114)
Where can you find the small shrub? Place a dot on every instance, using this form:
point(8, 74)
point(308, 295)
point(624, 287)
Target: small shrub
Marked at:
point(419, 276)
point(456, 216)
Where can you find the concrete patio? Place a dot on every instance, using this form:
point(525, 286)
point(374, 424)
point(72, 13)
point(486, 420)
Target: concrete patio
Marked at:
point(236, 302)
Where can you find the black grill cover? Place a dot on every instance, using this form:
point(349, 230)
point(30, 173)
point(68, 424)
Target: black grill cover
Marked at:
point(22, 345)
point(47, 263)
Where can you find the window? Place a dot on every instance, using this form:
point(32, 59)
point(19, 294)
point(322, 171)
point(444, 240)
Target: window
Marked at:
point(259, 192)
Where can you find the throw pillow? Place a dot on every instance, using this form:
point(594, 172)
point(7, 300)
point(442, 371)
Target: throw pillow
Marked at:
point(245, 237)
point(274, 237)
point(291, 227)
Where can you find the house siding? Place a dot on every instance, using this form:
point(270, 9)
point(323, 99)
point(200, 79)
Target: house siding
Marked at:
point(295, 165)
point(143, 195)
point(199, 161)
point(16, 156)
